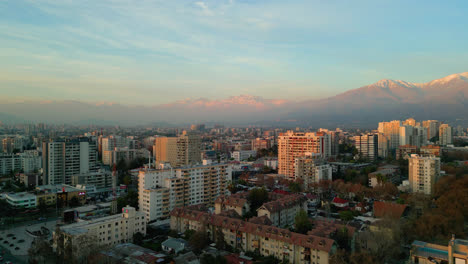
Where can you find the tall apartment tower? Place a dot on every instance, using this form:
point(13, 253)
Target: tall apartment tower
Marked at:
point(445, 135)
point(178, 151)
point(296, 144)
point(432, 128)
point(413, 135)
point(423, 173)
point(367, 146)
point(61, 160)
point(389, 135)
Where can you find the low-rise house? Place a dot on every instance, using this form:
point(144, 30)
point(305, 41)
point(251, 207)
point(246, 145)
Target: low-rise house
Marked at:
point(237, 202)
point(127, 253)
point(340, 203)
point(174, 245)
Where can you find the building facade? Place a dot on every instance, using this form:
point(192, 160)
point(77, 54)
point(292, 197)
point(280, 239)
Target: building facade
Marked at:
point(296, 144)
point(423, 173)
point(445, 135)
point(311, 170)
point(367, 146)
point(161, 190)
point(178, 151)
point(63, 159)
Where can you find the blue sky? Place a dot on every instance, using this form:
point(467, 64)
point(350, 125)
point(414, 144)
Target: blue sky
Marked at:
point(152, 52)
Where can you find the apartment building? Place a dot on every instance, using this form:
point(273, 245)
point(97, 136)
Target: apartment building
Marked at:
point(112, 142)
point(237, 202)
point(367, 146)
point(266, 240)
point(9, 144)
point(432, 128)
point(405, 150)
point(24, 162)
point(445, 135)
point(63, 159)
point(240, 155)
point(413, 135)
point(296, 144)
point(101, 179)
point(389, 137)
point(282, 212)
point(423, 173)
point(178, 151)
point(161, 190)
point(427, 253)
point(104, 231)
point(311, 170)
point(261, 143)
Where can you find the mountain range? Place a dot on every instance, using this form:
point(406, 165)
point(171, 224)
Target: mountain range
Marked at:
point(445, 99)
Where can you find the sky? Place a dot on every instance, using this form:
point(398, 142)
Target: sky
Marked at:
point(141, 52)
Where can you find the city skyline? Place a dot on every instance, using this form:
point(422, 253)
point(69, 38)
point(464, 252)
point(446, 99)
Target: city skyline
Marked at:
point(156, 53)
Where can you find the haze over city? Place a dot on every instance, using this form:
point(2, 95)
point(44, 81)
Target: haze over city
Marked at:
point(233, 132)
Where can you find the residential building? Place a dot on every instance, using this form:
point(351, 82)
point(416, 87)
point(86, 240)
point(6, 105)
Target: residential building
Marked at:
point(261, 143)
point(389, 137)
point(426, 253)
point(237, 202)
point(271, 162)
point(282, 212)
point(111, 157)
point(24, 162)
point(405, 150)
point(104, 231)
point(296, 144)
point(311, 170)
point(178, 151)
point(241, 155)
point(265, 239)
point(432, 128)
point(101, 179)
point(174, 245)
point(445, 135)
point(21, 200)
point(112, 142)
point(413, 135)
point(11, 144)
point(383, 175)
point(29, 179)
point(367, 146)
point(430, 150)
point(161, 190)
point(63, 159)
point(423, 173)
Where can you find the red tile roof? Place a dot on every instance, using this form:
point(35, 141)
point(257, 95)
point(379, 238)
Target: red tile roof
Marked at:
point(387, 209)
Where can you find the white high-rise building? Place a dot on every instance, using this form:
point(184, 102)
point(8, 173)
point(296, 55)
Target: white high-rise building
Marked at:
point(63, 159)
point(163, 189)
point(445, 135)
point(423, 173)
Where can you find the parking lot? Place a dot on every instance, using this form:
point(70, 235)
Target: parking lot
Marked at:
point(17, 240)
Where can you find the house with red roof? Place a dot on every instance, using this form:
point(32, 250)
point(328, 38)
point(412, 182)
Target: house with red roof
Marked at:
point(340, 203)
point(389, 210)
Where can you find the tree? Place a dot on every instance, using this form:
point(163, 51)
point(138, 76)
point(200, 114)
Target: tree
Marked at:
point(346, 215)
point(219, 239)
point(188, 233)
point(295, 187)
point(199, 241)
point(42, 206)
point(40, 251)
point(127, 180)
point(138, 238)
point(302, 223)
point(210, 259)
point(257, 197)
point(130, 199)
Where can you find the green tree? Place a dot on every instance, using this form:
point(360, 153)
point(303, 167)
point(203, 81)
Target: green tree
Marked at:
point(188, 233)
point(40, 251)
point(257, 197)
point(138, 238)
point(302, 223)
point(199, 241)
point(346, 215)
point(295, 187)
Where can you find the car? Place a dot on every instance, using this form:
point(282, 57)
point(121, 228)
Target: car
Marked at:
point(13, 238)
point(10, 235)
point(21, 241)
point(16, 248)
point(5, 242)
point(11, 245)
point(41, 219)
